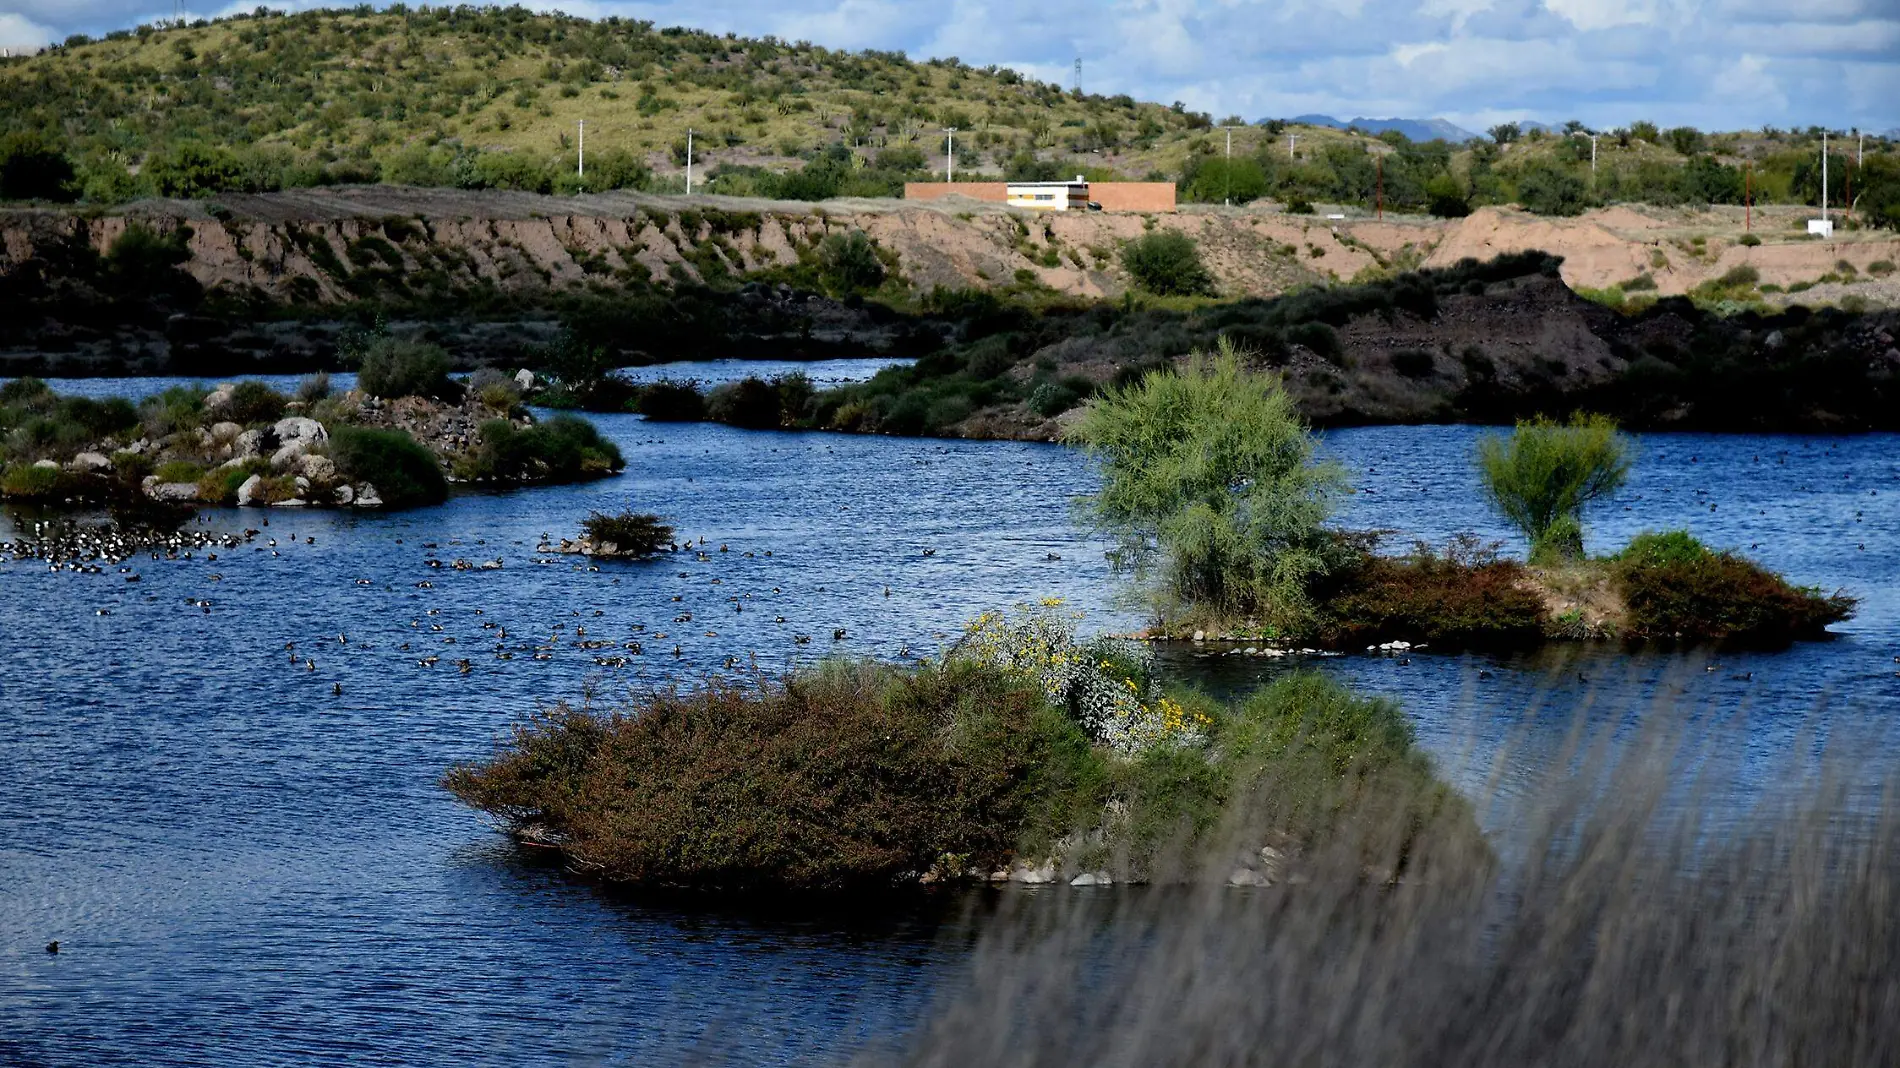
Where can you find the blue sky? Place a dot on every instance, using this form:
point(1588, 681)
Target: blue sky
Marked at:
point(1717, 64)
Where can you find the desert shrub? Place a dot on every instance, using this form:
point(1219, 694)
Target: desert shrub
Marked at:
point(1743, 275)
point(1547, 189)
point(628, 533)
point(1167, 262)
point(404, 472)
point(314, 388)
point(848, 263)
point(796, 396)
point(565, 448)
point(1465, 595)
point(667, 401)
point(750, 402)
point(1299, 206)
point(1543, 476)
point(496, 391)
point(178, 408)
point(1750, 241)
point(394, 368)
point(1642, 283)
point(1320, 338)
point(1677, 588)
point(845, 776)
point(1880, 268)
point(1051, 399)
point(33, 168)
point(1209, 472)
point(220, 485)
point(179, 471)
point(32, 482)
point(254, 402)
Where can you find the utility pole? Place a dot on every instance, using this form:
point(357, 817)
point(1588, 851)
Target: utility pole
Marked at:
point(1593, 159)
point(1078, 75)
point(950, 155)
point(1823, 175)
point(1379, 203)
point(1227, 196)
point(1748, 199)
point(1292, 139)
point(580, 166)
point(689, 161)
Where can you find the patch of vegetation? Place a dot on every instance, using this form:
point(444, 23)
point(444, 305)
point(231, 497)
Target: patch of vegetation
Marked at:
point(1545, 474)
point(1676, 588)
point(1167, 262)
point(626, 534)
point(404, 472)
point(1209, 479)
point(393, 368)
point(865, 776)
point(667, 401)
point(254, 402)
point(1463, 596)
point(564, 448)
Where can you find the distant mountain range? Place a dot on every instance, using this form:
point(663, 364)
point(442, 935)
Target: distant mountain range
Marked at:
point(1416, 129)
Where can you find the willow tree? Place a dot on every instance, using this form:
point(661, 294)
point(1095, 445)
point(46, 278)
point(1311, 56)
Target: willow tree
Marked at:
point(1211, 487)
point(1543, 476)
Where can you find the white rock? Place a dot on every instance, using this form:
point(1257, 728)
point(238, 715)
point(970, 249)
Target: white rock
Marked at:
point(302, 483)
point(220, 395)
point(345, 493)
point(299, 428)
point(1093, 878)
point(1023, 873)
point(524, 378)
point(294, 502)
point(174, 491)
point(318, 469)
point(226, 431)
point(47, 463)
point(291, 454)
point(247, 492)
point(1248, 877)
point(91, 461)
point(367, 497)
point(250, 443)
point(1200, 635)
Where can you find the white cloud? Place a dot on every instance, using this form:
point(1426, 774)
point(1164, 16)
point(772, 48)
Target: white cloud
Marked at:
point(21, 34)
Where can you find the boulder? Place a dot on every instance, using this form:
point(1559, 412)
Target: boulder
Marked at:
point(1248, 877)
point(366, 497)
point(291, 454)
point(220, 396)
point(225, 431)
point(345, 493)
point(318, 469)
point(252, 443)
point(247, 492)
point(524, 380)
point(90, 461)
point(299, 428)
point(54, 464)
point(1093, 878)
point(174, 491)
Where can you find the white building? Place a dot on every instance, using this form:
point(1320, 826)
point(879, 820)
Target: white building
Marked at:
point(1050, 196)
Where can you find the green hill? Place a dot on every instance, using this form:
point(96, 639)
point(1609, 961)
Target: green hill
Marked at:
point(492, 98)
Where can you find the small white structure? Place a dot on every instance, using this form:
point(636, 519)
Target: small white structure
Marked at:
point(1050, 196)
point(1821, 227)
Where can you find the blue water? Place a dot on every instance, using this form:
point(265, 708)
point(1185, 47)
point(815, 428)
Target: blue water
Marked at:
point(244, 868)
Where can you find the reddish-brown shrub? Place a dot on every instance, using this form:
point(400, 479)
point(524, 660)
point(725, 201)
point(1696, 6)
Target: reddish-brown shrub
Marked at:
point(1466, 595)
point(1718, 596)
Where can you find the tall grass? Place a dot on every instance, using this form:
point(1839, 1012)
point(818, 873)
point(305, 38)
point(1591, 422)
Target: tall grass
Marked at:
point(1624, 926)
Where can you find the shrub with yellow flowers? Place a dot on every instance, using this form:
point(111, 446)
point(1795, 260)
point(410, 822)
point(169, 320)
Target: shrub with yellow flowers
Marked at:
point(1107, 685)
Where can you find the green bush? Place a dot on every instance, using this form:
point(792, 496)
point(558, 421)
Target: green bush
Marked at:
point(1167, 262)
point(1880, 268)
point(1210, 471)
point(749, 402)
point(1547, 189)
point(1051, 399)
point(629, 533)
point(1750, 241)
point(1543, 476)
point(565, 448)
point(404, 472)
point(254, 402)
point(220, 485)
point(667, 401)
point(179, 471)
point(314, 388)
point(31, 482)
point(848, 263)
point(33, 168)
point(392, 368)
point(1675, 588)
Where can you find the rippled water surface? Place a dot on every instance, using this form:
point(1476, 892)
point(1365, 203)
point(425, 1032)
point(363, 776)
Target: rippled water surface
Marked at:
point(246, 868)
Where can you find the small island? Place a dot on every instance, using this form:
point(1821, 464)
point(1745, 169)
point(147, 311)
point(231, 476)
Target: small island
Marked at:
point(398, 440)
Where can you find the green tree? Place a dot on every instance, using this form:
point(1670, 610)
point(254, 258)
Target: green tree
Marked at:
point(32, 168)
point(1208, 472)
point(848, 263)
point(1547, 189)
point(1215, 179)
point(1543, 476)
point(192, 170)
point(1446, 198)
point(1504, 133)
point(1167, 262)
